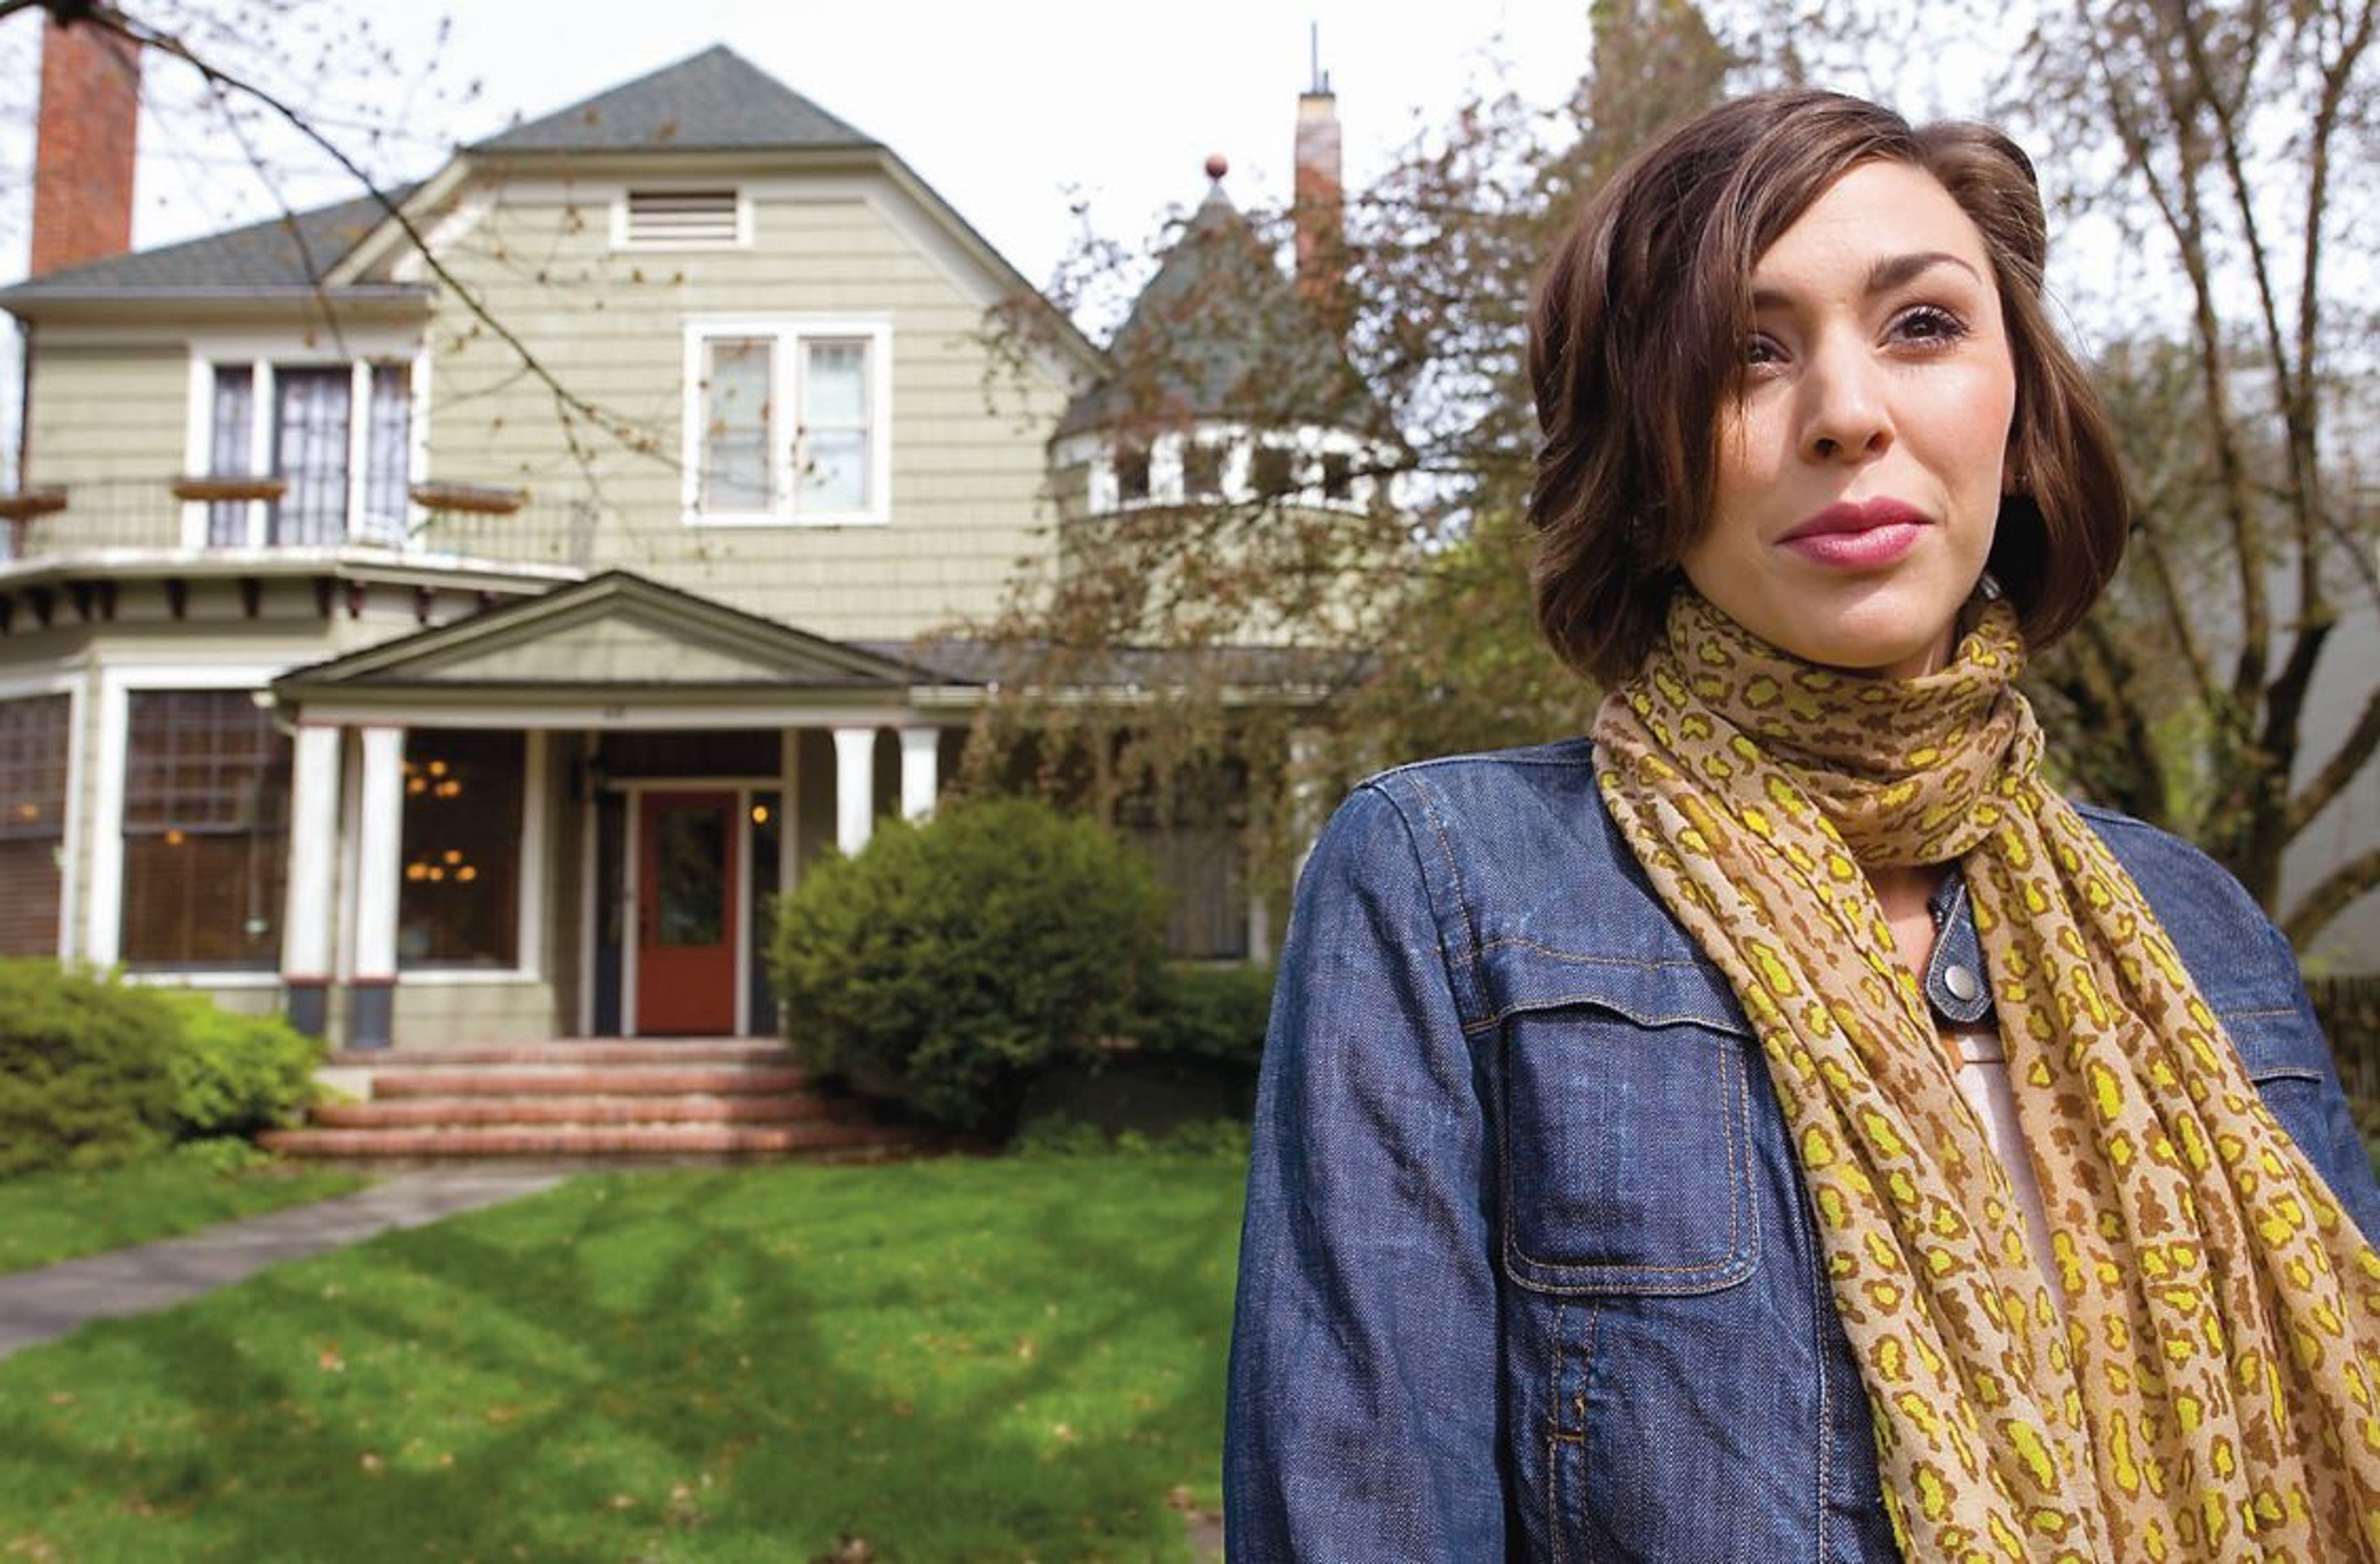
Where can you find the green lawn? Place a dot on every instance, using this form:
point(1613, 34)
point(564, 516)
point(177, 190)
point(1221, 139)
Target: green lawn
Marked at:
point(949, 1359)
point(45, 1218)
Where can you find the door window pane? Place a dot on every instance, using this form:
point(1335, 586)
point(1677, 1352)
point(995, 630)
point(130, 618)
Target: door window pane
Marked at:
point(460, 902)
point(310, 452)
point(691, 893)
point(736, 373)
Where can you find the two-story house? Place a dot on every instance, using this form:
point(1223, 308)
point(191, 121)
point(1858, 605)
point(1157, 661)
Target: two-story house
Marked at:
point(450, 618)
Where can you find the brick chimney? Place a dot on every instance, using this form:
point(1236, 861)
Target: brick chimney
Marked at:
point(1317, 207)
point(83, 165)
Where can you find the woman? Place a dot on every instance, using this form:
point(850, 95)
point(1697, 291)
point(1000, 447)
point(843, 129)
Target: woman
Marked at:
point(1781, 1127)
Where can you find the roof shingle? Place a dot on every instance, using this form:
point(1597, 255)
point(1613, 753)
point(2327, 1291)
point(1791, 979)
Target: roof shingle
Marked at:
point(717, 101)
point(271, 254)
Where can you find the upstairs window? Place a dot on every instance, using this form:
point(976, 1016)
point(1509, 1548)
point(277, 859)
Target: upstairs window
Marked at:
point(716, 219)
point(786, 423)
point(339, 438)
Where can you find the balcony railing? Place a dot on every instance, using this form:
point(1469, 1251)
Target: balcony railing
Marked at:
point(124, 516)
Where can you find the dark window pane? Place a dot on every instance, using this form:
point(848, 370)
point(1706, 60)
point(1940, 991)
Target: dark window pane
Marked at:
point(1132, 474)
point(459, 903)
point(33, 740)
point(1202, 471)
point(231, 449)
point(1272, 471)
point(388, 452)
point(310, 452)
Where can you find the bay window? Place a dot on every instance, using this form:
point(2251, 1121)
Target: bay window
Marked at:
point(206, 830)
point(787, 422)
point(33, 748)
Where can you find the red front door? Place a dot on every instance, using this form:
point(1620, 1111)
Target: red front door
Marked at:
point(686, 913)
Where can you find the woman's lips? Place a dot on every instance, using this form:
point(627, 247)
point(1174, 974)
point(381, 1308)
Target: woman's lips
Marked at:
point(1857, 535)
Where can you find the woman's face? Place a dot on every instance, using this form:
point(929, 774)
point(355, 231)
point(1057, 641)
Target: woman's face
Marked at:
point(1860, 469)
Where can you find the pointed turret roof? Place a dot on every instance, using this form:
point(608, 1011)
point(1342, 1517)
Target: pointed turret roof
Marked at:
point(1220, 333)
point(716, 100)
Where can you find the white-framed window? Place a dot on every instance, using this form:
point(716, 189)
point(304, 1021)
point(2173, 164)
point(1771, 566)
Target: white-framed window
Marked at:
point(788, 421)
point(339, 435)
point(1228, 463)
point(682, 217)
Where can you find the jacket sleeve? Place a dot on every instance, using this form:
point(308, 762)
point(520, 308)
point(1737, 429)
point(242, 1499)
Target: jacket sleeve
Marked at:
point(1363, 1413)
point(2323, 1128)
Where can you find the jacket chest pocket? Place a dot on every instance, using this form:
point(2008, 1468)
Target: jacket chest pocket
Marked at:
point(1627, 1128)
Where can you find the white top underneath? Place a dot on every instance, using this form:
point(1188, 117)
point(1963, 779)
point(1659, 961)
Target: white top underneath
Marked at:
point(1984, 1082)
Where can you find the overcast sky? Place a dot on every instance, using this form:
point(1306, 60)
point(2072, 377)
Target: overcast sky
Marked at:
point(1011, 112)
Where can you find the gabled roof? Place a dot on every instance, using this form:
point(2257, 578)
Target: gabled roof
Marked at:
point(274, 254)
point(1220, 333)
point(613, 632)
point(716, 100)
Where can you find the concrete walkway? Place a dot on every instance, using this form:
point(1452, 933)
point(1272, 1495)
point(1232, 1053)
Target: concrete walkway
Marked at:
point(38, 1306)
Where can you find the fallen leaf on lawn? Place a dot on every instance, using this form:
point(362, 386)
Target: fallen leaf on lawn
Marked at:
point(331, 1362)
point(1024, 1349)
point(370, 1462)
point(623, 1501)
point(60, 1399)
point(1178, 1496)
point(1060, 1431)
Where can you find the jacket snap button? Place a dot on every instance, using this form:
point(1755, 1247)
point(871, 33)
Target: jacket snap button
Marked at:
point(1962, 982)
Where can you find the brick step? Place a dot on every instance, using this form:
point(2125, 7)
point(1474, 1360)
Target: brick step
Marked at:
point(627, 1080)
point(715, 1050)
point(637, 1140)
point(783, 1107)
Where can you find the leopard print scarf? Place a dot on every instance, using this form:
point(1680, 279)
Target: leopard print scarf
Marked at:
point(2203, 1385)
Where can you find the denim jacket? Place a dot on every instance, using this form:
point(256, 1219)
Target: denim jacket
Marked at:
point(1529, 1269)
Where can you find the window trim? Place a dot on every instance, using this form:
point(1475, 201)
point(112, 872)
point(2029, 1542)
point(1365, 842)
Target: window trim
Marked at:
point(787, 334)
point(623, 240)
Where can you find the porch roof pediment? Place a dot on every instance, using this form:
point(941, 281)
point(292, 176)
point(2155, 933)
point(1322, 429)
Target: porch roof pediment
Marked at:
point(614, 632)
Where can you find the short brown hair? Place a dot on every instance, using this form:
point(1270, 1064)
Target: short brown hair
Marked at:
point(1635, 343)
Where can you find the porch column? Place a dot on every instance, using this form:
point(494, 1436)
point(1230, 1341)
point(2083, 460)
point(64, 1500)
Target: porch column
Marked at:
point(920, 754)
point(379, 872)
point(306, 926)
point(855, 788)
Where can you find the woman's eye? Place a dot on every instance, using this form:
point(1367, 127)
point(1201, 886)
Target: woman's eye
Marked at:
point(1928, 324)
point(1759, 349)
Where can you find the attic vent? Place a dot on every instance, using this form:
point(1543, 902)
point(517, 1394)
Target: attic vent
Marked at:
point(682, 217)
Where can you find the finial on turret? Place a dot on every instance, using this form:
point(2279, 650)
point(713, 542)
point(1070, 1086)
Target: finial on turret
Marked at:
point(1217, 166)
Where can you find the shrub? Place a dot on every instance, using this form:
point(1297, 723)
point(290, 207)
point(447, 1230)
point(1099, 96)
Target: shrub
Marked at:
point(1212, 1013)
point(84, 1081)
point(949, 961)
point(237, 1075)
